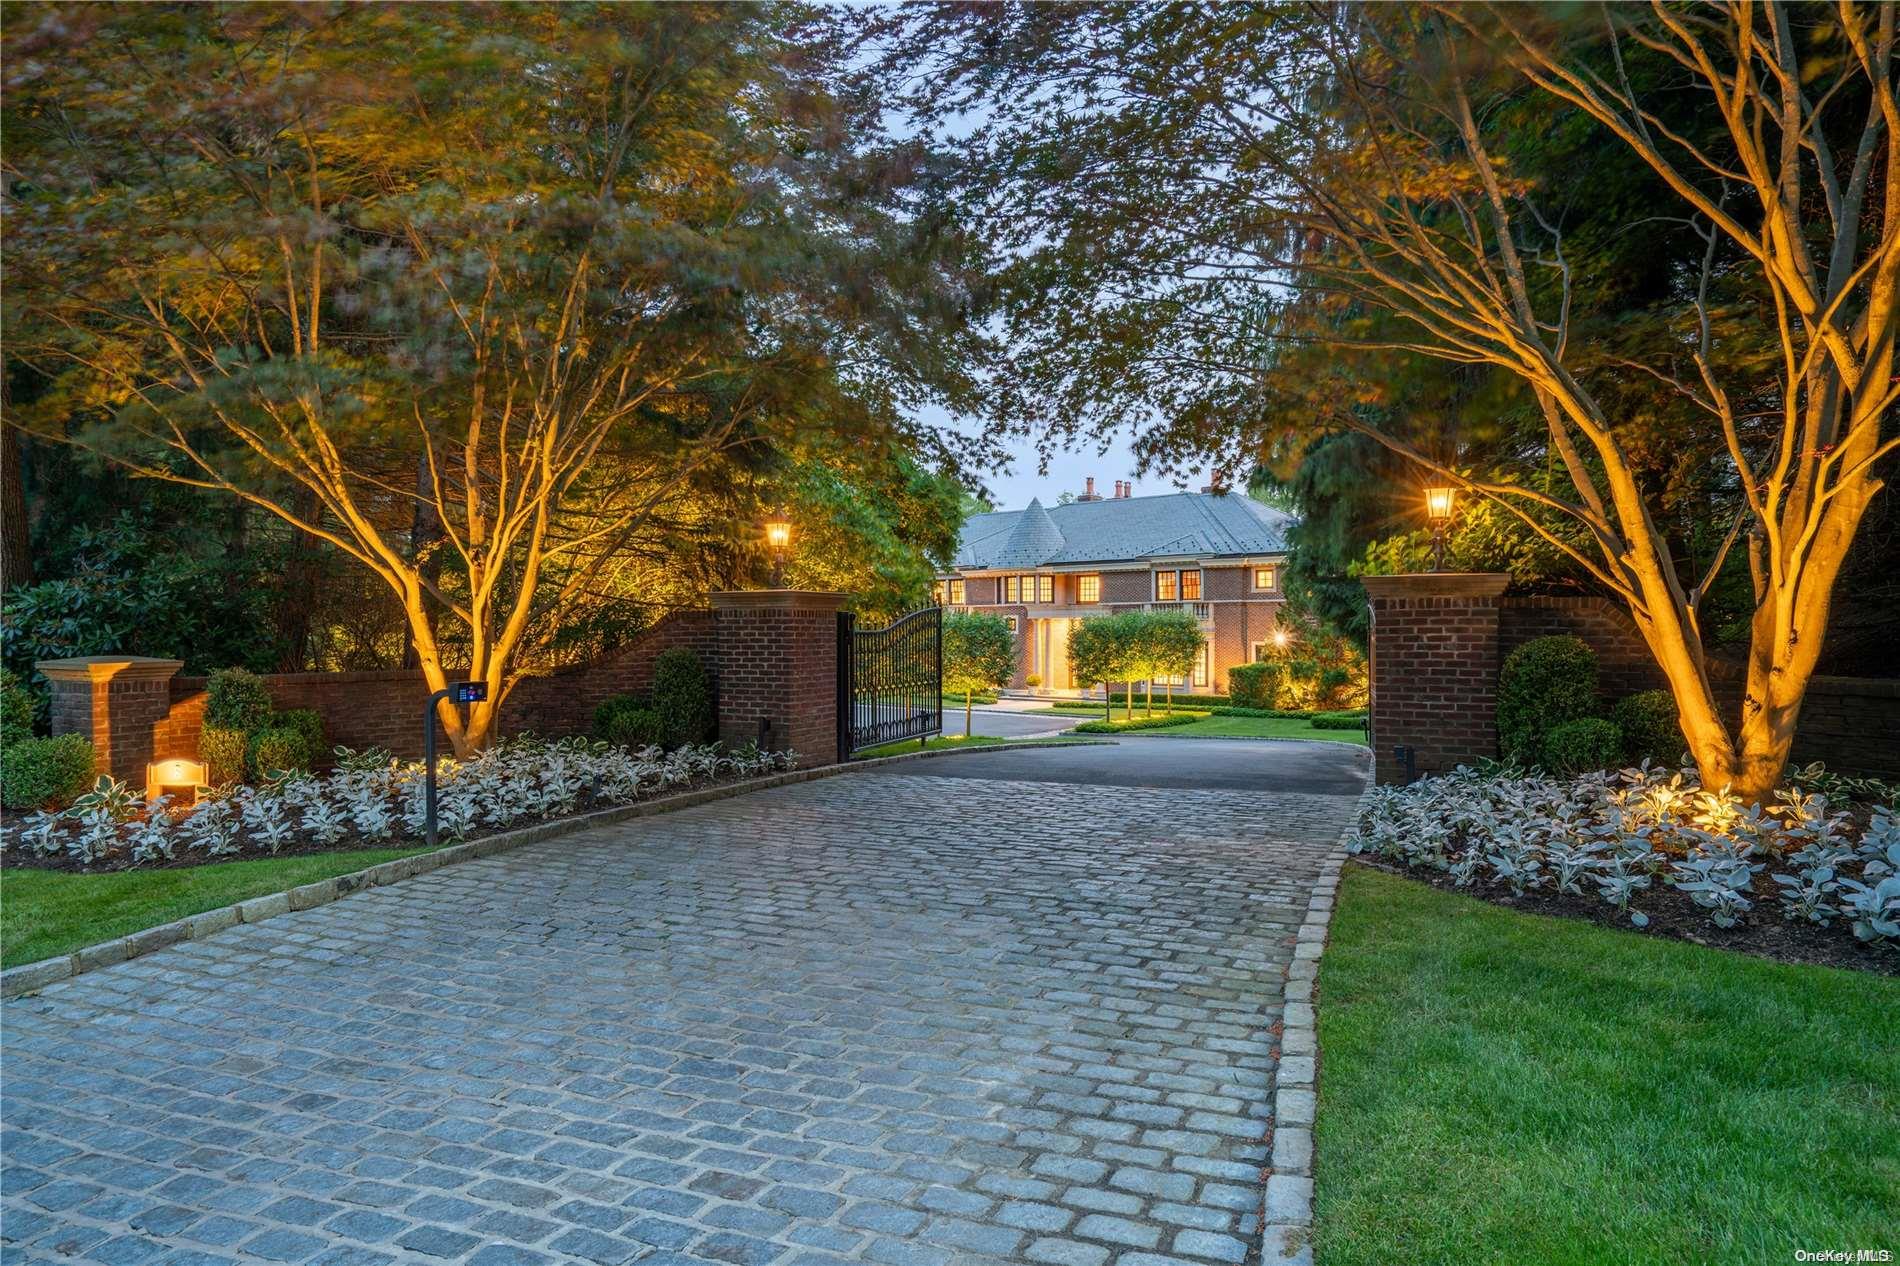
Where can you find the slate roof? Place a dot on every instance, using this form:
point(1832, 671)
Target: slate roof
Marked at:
point(1122, 529)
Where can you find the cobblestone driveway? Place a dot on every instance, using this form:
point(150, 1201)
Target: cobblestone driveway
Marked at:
point(901, 1019)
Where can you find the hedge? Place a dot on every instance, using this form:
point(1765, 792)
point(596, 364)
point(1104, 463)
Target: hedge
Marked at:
point(1277, 714)
point(682, 698)
point(1582, 746)
point(1180, 700)
point(1647, 722)
point(1139, 723)
point(45, 773)
point(1349, 720)
point(1543, 684)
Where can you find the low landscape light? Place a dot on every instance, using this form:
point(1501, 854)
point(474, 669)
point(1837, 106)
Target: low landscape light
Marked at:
point(174, 777)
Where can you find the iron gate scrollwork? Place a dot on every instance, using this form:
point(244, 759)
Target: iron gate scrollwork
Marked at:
point(890, 680)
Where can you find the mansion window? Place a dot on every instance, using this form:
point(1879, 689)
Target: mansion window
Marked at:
point(1029, 589)
point(1088, 588)
point(1263, 579)
point(1178, 586)
point(957, 595)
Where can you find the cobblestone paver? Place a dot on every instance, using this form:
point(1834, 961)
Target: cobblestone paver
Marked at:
point(896, 1019)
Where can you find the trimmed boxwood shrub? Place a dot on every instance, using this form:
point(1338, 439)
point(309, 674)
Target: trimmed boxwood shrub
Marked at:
point(1583, 746)
point(1280, 714)
point(627, 721)
point(16, 710)
point(1339, 720)
point(1544, 683)
point(45, 773)
point(223, 750)
point(1139, 723)
point(275, 749)
point(236, 700)
point(1254, 685)
point(682, 698)
point(308, 723)
point(1647, 722)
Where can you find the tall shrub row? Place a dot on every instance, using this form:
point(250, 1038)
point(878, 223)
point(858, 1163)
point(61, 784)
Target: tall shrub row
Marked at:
point(1550, 714)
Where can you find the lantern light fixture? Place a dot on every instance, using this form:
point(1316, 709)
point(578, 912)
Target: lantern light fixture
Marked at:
point(1439, 502)
point(778, 535)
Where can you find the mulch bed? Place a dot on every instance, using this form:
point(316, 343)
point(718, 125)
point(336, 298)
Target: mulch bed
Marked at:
point(1764, 933)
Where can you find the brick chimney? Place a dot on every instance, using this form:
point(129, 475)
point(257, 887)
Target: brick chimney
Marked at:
point(1124, 488)
point(1088, 490)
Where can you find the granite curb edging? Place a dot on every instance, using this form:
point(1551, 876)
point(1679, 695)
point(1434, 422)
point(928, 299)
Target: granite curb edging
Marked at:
point(29, 977)
point(1286, 1231)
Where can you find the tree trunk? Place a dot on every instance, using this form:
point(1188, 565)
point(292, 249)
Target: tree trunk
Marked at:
point(16, 541)
point(1148, 698)
point(966, 714)
point(424, 530)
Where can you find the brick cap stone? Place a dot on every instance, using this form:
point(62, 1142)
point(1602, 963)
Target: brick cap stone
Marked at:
point(109, 668)
point(777, 600)
point(1439, 584)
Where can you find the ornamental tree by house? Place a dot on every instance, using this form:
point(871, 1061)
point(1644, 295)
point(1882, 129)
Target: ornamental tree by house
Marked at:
point(482, 298)
point(1103, 648)
point(1186, 197)
point(1173, 641)
point(979, 653)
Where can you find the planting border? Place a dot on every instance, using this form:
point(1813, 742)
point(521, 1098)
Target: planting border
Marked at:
point(31, 977)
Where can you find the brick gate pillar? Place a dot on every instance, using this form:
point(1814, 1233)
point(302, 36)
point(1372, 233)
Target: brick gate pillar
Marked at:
point(777, 661)
point(1434, 669)
point(117, 701)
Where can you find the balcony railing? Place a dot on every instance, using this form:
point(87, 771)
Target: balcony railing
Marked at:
point(1200, 610)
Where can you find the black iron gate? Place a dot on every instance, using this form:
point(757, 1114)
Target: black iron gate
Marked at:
point(890, 681)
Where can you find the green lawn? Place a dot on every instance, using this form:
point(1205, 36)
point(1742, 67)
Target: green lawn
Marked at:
point(43, 912)
point(1232, 727)
point(1502, 1087)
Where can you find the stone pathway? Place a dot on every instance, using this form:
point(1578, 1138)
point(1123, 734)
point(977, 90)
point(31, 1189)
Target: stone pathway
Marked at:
point(897, 1018)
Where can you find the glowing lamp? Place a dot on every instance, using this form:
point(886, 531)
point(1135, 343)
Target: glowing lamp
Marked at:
point(778, 535)
point(778, 531)
point(1438, 504)
point(1280, 638)
point(179, 778)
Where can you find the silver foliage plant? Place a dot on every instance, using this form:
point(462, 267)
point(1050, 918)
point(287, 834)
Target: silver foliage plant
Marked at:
point(1619, 835)
point(371, 798)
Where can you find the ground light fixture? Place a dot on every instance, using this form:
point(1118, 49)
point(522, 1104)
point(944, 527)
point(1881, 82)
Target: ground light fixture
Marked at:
point(178, 777)
point(1438, 507)
point(778, 535)
point(461, 692)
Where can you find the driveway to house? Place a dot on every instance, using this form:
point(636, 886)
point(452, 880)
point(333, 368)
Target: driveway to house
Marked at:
point(989, 1007)
point(1006, 723)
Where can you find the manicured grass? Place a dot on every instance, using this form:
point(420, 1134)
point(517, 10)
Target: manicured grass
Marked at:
point(1263, 727)
point(43, 912)
point(1234, 727)
point(902, 746)
point(1503, 1087)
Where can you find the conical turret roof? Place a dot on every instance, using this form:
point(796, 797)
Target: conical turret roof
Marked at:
point(1035, 539)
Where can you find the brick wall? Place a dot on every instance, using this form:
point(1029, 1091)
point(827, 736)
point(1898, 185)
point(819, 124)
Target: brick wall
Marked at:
point(1127, 587)
point(1434, 669)
point(778, 664)
point(775, 659)
point(1438, 641)
point(1624, 664)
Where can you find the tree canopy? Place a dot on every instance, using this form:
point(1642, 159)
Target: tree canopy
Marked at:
point(979, 653)
point(1626, 274)
point(499, 304)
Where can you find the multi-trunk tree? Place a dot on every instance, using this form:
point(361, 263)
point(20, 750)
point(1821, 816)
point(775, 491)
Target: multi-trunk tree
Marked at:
point(482, 298)
point(1186, 197)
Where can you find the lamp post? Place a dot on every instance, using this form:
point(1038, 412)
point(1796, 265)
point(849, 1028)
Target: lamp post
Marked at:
point(1438, 505)
point(462, 692)
point(778, 535)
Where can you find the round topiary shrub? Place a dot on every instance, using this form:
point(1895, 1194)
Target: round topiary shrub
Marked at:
point(45, 773)
point(223, 750)
point(627, 721)
point(682, 698)
point(1647, 722)
point(279, 749)
point(16, 710)
point(1583, 746)
point(1544, 683)
point(308, 723)
point(236, 700)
